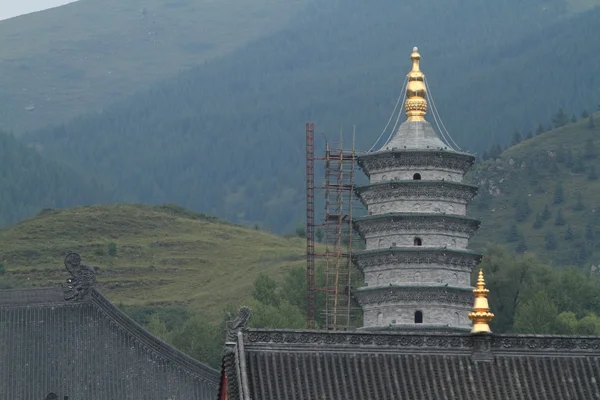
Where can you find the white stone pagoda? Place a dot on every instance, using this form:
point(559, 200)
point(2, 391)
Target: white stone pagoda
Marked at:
point(416, 264)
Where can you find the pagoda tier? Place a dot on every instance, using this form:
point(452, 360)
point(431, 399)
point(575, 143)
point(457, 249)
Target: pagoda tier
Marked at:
point(416, 266)
point(412, 229)
point(417, 306)
point(418, 196)
point(388, 165)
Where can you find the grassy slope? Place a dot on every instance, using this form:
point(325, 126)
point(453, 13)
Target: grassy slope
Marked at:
point(165, 255)
point(510, 177)
point(85, 55)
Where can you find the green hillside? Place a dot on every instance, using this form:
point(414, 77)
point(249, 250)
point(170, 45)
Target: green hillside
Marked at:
point(162, 255)
point(83, 56)
point(543, 195)
point(227, 137)
point(29, 182)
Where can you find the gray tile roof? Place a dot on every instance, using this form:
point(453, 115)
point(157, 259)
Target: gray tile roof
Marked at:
point(89, 350)
point(415, 135)
point(298, 365)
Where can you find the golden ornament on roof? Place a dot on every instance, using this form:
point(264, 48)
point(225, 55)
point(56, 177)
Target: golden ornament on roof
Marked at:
point(481, 315)
point(416, 104)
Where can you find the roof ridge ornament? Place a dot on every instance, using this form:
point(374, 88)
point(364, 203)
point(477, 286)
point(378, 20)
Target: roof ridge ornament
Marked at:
point(239, 324)
point(83, 278)
point(416, 92)
point(481, 315)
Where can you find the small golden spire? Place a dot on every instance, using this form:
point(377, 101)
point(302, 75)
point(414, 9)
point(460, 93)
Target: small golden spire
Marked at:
point(481, 315)
point(416, 104)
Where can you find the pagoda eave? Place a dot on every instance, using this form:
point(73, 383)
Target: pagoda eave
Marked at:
point(422, 222)
point(404, 158)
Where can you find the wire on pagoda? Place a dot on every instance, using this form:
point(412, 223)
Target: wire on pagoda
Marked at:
point(400, 97)
point(435, 111)
point(396, 123)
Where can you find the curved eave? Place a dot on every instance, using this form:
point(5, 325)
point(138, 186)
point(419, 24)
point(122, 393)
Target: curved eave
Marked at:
point(467, 159)
point(416, 254)
point(416, 184)
point(370, 220)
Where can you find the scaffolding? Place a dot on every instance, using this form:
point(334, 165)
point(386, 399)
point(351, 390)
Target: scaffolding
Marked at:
point(338, 234)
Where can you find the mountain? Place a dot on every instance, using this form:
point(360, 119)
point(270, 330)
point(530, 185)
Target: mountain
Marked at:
point(161, 255)
point(62, 62)
point(542, 195)
point(227, 137)
point(29, 182)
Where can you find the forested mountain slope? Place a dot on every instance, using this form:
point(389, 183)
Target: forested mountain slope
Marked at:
point(543, 195)
point(227, 138)
point(59, 63)
point(29, 183)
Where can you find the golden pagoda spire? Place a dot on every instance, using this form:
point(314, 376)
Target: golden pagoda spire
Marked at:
point(481, 314)
point(416, 104)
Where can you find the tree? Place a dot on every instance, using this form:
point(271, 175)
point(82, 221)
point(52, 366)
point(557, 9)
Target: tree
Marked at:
point(550, 241)
point(538, 222)
point(536, 315)
point(559, 195)
point(516, 138)
point(522, 209)
point(546, 213)
point(589, 231)
point(485, 156)
point(2, 269)
point(539, 130)
point(584, 114)
point(319, 234)
point(578, 165)
point(201, 340)
point(589, 151)
point(265, 290)
point(592, 175)
point(521, 246)
point(301, 230)
point(513, 234)
point(112, 249)
point(560, 118)
point(591, 124)
point(573, 119)
point(560, 219)
point(529, 135)
point(579, 206)
point(569, 233)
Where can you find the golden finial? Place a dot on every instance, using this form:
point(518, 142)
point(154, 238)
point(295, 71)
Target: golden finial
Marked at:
point(481, 315)
point(416, 104)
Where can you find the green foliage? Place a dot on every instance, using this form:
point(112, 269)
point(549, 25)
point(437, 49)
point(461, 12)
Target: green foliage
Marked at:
point(265, 290)
point(559, 196)
point(591, 123)
point(30, 183)
point(550, 239)
point(560, 219)
point(513, 234)
point(560, 118)
point(200, 339)
point(579, 206)
point(319, 234)
point(112, 249)
point(2, 269)
point(569, 233)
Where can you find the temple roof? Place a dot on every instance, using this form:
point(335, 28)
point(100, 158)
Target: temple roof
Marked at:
point(416, 135)
point(86, 348)
point(291, 364)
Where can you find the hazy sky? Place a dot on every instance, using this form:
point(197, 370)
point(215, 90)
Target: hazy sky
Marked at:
point(12, 8)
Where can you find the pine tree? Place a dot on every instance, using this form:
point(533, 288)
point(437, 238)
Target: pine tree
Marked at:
point(513, 234)
point(522, 209)
point(589, 151)
point(579, 206)
point(591, 124)
point(578, 165)
point(539, 221)
point(485, 156)
point(559, 195)
point(521, 246)
point(560, 118)
point(539, 130)
point(546, 213)
point(516, 139)
point(592, 175)
point(573, 119)
point(569, 233)
point(589, 231)
point(550, 241)
point(529, 135)
point(584, 114)
point(559, 220)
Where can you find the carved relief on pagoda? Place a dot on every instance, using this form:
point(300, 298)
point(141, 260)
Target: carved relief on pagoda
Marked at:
point(371, 227)
point(371, 261)
point(419, 275)
point(447, 239)
point(424, 206)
